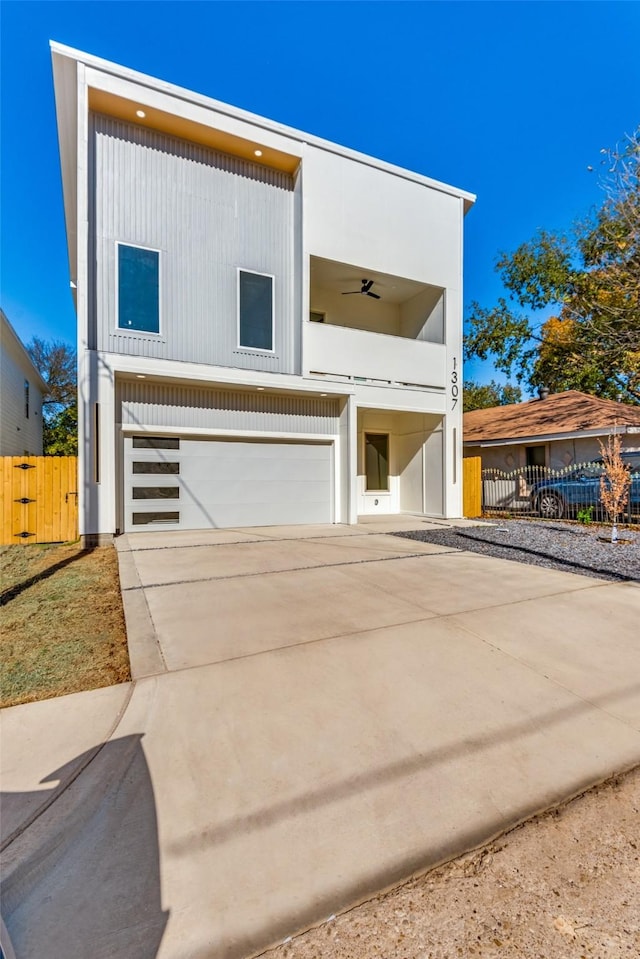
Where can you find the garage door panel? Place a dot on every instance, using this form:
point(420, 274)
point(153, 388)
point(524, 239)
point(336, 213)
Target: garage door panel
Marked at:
point(224, 483)
point(250, 492)
point(228, 516)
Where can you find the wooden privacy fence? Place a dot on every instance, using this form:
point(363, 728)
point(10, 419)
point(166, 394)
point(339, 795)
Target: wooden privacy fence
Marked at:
point(39, 499)
point(472, 486)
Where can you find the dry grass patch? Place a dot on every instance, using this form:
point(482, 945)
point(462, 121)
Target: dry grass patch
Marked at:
point(62, 623)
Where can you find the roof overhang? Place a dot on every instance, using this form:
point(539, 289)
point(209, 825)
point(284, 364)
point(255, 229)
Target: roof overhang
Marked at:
point(127, 367)
point(14, 339)
point(620, 430)
point(65, 84)
point(123, 108)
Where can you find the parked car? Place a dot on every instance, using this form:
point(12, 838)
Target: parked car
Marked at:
point(558, 496)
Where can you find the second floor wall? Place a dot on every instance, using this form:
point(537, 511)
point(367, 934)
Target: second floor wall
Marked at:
point(181, 236)
point(201, 224)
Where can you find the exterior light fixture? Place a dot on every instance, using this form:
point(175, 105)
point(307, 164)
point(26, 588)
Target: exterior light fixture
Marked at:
point(141, 376)
point(257, 153)
point(141, 114)
point(260, 389)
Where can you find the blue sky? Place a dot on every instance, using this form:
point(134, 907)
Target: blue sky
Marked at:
point(511, 101)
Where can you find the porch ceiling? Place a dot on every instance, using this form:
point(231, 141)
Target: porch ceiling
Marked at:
point(345, 277)
point(429, 420)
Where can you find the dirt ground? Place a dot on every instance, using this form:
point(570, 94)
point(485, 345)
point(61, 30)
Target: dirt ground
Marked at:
point(565, 885)
point(61, 623)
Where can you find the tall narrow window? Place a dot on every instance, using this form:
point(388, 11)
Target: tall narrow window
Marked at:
point(138, 289)
point(26, 398)
point(256, 311)
point(96, 442)
point(376, 454)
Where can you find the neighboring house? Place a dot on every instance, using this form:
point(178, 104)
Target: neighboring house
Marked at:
point(225, 377)
point(555, 431)
point(21, 392)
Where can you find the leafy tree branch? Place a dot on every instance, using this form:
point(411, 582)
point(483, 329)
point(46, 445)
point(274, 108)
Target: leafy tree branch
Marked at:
point(483, 396)
point(56, 363)
point(591, 279)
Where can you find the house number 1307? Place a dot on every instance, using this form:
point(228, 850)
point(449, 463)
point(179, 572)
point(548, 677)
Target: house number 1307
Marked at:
point(455, 389)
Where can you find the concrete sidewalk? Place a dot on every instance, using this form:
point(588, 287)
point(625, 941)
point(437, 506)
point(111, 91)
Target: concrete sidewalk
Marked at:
point(318, 714)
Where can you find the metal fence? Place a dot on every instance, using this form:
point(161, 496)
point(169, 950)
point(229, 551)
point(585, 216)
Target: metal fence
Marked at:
point(570, 493)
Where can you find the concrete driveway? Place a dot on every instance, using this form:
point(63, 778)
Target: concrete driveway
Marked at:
point(316, 714)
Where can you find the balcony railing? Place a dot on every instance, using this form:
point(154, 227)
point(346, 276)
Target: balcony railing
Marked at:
point(359, 354)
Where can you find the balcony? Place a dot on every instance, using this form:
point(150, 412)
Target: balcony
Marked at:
point(366, 325)
point(360, 355)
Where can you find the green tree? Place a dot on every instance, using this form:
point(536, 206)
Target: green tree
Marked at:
point(60, 432)
point(56, 363)
point(479, 396)
point(590, 280)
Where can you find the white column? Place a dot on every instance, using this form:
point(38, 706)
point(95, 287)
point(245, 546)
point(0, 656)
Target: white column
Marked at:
point(452, 447)
point(349, 462)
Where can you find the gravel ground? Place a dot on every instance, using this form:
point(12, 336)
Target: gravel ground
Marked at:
point(556, 545)
point(565, 885)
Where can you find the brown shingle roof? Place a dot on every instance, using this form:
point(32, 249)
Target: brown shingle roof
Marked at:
point(567, 412)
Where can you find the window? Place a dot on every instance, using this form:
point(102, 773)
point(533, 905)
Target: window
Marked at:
point(26, 398)
point(138, 289)
point(631, 461)
point(256, 311)
point(536, 455)
point(156, 468)
point(96, 442)
point(156, 443)
point(376, 454)
point(149, 519)
point(156, 492)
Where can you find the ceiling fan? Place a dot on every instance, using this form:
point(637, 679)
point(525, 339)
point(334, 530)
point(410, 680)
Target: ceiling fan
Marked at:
point(365, 291)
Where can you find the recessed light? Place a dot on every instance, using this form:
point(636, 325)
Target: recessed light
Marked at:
point(141, 376)
point(141, 114)
point(257, 153)
point(323, 394)
point(260, 389)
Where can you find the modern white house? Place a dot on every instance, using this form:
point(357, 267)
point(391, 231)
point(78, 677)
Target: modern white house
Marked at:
point(21, 392)
point(269, 325)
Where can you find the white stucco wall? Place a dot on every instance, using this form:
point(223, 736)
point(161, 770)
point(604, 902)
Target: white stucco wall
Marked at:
point(362, 215)
point(357, 214)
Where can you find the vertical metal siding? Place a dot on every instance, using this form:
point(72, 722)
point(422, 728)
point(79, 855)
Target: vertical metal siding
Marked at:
point(208, 214)
point(179, 407)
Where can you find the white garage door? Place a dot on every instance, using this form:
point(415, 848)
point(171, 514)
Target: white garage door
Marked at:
point(178, 483)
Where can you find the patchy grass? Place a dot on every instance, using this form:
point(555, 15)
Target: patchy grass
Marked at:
point(61, 624)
